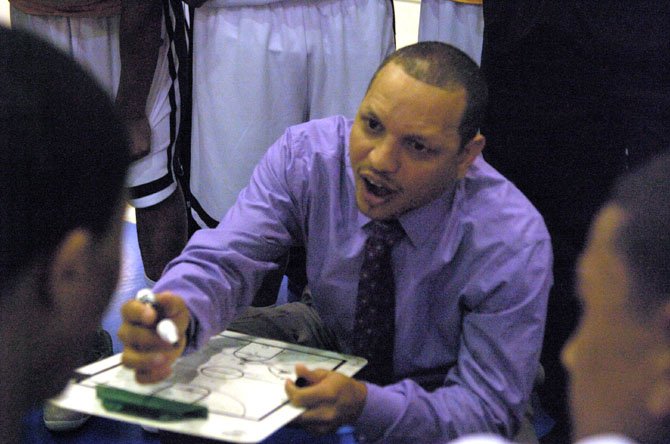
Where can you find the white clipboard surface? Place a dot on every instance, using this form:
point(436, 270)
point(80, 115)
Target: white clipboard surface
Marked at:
point(239, 378)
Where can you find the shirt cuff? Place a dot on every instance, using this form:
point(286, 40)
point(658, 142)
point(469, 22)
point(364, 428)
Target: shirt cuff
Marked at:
point(381, 410)
point(193, 331)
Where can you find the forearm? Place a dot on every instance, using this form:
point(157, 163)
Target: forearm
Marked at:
point(215, 282)
point(406, 413)
point(139, 43)
point(220, 270)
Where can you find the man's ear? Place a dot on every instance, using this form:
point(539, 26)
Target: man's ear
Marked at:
point(69, 264)
point(659, 400)
point(469, 153)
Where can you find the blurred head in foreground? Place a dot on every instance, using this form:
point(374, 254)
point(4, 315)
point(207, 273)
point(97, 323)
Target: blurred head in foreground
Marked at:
point(619, 357)
point(63, 161)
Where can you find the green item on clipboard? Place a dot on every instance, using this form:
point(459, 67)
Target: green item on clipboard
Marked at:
point(148, 406)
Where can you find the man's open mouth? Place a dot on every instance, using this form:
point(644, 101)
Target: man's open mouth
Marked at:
point(376, 189)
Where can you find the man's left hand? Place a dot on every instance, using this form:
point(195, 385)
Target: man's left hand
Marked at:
point(331, 399)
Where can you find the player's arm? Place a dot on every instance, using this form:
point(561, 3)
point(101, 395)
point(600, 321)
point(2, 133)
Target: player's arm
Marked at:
point(139, 43)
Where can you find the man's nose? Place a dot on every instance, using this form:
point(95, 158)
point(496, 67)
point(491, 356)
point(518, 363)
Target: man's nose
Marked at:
point(385, 156)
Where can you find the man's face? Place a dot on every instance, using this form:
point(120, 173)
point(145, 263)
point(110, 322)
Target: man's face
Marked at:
point(613, 356)
point(405, 143)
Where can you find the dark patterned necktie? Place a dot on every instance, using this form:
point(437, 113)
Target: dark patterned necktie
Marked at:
point(374, 325)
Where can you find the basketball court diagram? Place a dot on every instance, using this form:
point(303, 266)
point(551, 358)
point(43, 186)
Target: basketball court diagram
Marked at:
point(239, 378)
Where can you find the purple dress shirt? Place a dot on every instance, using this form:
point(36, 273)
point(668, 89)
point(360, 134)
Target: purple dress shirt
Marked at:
point(472, 279)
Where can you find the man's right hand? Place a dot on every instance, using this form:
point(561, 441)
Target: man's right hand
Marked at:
point(143, 350)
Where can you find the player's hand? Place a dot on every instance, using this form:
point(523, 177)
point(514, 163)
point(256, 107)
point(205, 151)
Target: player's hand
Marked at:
point(143, 350)
point(331, 399)
point(139, 132)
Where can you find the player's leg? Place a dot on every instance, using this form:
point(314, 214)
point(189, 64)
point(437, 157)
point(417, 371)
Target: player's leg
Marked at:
point(160, 208)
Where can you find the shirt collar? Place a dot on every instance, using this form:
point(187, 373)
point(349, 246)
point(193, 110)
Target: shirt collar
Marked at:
point(421, 223)
point(439, 215)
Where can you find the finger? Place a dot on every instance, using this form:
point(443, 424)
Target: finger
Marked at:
point(173, 307)
point(171, 304)
point(290, 388)
point(308, 397)
point(295, 395)
point(135, 312)
point(141, 338)
point(310, 377)
point(152, 376)
point(149, 366)
point(144, 361)
point(316, 392)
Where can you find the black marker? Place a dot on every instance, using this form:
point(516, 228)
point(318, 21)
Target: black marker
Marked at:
point(301, 382)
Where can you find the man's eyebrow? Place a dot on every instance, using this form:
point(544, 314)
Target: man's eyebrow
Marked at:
point(416, 138)
point(367, 112)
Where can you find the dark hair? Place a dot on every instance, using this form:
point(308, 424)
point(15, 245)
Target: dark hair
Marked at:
point(441, 65)
point(643, 239)
point(63, 153)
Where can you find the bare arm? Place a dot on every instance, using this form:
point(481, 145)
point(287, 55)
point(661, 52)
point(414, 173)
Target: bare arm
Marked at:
point(139, 42)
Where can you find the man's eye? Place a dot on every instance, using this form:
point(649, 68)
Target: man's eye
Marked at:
point(417, 146)
point(374, 125)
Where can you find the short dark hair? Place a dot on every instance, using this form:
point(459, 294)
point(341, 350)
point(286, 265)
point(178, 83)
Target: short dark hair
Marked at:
point(643, 238)
point(444, 66)
point(63, 153)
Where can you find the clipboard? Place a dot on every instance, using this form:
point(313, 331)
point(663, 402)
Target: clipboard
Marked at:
point(231, 390)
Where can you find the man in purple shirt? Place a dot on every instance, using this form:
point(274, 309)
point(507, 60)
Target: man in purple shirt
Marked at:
point(472, 272)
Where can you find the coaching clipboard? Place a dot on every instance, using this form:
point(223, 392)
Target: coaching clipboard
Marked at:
point(232, 389)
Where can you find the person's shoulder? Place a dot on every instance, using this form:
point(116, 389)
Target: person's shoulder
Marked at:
point(483, 185)
point(327, 127)
point(327, 135)
point(315, 148)
point(491, 200)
